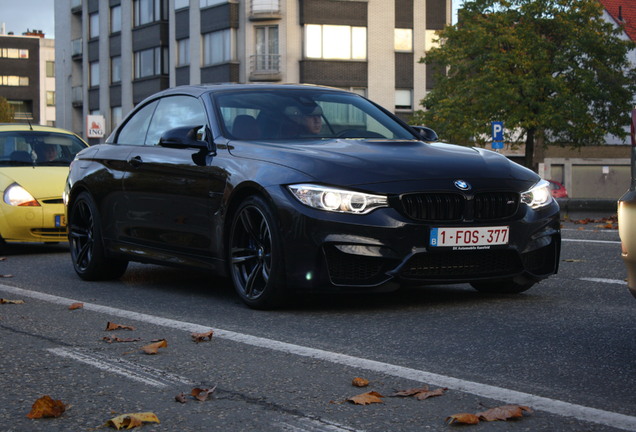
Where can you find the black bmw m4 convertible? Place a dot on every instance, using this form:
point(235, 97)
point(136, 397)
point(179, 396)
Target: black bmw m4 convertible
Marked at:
point(288, 188)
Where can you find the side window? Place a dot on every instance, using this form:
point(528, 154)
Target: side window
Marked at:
point(135, 129)
point(173, 112)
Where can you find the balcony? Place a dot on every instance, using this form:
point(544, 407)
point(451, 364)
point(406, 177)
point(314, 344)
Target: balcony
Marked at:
point(76, 49)
point(76, 6)
point(265, 10)
point(265, 67)
point(77, 96)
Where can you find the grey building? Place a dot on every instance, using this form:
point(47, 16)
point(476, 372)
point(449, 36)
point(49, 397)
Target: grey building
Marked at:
point(27, 76)
point(111, 54)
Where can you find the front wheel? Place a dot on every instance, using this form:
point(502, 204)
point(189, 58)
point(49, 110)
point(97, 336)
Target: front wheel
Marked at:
point(86, 243)
point(255, 255)
point(505, 286)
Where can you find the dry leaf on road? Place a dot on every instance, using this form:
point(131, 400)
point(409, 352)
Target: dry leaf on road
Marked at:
point(200, 337)
point(110, 326)
point(117, 339)
point(75, 306)
point(366, 398)
point(504, 412)
point(462, 418)
point(130, 421)
point(202, 394)
point(153, 348)
point(7, 301)
point(360, 382)
point(46, 407)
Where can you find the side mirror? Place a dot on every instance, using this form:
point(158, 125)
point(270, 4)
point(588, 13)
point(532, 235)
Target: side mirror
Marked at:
point(185, 137)
point(427, 134)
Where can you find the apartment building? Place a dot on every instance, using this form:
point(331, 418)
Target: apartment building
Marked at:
point(27, 76)
point(111, 54)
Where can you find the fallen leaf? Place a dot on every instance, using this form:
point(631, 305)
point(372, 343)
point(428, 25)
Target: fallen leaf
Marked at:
point(181, 397)
point(153, 348)
point(573, 260)
point(46, 407)
point(130, 421)
point(117, 339)
point(504, 412)
point(202, 394)
point(112, 326)
point(360, 382)
point(366, 398)
point(463, 418)
point(76, 306)
point(200, 337)
point(7, 301)
point(6, 275)
point(431, 393)
point(410, 392)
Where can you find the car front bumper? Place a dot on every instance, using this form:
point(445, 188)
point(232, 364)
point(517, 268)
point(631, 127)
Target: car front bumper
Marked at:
point(384, 249)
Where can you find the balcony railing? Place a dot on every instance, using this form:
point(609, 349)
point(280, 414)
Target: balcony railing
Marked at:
point(77, 96)
point(76, 48)
point(265, 9)
point(265, 67)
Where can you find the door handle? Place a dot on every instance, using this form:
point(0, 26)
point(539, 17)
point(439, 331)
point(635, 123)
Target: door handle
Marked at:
point(135, 161)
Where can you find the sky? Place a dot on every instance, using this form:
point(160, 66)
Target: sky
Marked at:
point(20, 15)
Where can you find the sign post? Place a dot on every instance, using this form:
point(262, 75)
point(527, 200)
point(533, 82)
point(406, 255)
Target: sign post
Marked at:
point(497, 135)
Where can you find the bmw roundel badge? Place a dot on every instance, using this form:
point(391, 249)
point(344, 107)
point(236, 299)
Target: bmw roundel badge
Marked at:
point(462, 185)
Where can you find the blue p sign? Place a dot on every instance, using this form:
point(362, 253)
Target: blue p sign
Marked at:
point(497, 131)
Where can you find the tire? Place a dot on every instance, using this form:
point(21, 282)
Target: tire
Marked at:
point(255, 255)
point(505, 286)
point(86, 243)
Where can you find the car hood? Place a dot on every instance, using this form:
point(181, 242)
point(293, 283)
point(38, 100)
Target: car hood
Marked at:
point(350, 162)
point(41, 182)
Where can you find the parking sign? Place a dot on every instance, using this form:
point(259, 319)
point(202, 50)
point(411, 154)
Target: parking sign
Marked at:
point(497, 135)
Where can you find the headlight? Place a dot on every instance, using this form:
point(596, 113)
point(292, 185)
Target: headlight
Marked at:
point(337, 200)
point(16, 195)
point(539, 196)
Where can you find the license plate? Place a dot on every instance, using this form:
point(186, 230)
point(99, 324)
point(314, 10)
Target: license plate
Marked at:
point(467, 237)
point(60, 221)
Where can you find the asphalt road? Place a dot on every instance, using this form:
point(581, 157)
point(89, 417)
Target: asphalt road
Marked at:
point(566, 348)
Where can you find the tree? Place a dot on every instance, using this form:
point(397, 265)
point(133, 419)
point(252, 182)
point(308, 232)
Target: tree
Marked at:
point(552, 70)
point(6, 111)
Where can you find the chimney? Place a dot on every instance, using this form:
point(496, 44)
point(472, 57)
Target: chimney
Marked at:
point(620, 14)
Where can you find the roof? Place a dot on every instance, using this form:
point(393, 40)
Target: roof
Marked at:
point(624, 13)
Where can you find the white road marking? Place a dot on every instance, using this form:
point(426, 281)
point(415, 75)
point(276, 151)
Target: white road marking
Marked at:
point(607, 281)
point(591, 241)
point(554, 406)
point(144, 374)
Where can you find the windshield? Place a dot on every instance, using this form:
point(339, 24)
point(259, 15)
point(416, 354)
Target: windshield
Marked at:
point(19, 148)
point(284, 114)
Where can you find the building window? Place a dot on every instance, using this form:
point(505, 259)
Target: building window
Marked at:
point(208, 3)
point(404, 40)
point(93, 73)
point(14, 53)
point(335, 42)
point(403, 99)
point(93, 25)
point(217, 47)
point(267, 58)
point(115, 69)
point(151, 62)
point(115, 116)
point(50, 69)
point(183, 52)
point(115, 19)
point(50, 98)
point(148, 11)
point(180, 4)
point(14, 81)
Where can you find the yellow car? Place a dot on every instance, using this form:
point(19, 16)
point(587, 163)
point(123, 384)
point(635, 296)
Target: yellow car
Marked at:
point(34, 163)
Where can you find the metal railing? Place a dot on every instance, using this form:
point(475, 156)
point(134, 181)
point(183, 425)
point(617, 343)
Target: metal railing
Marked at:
point(265, 7)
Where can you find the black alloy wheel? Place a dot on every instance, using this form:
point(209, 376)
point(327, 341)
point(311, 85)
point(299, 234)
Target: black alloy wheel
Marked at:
point(85, 240)
point(256, 261)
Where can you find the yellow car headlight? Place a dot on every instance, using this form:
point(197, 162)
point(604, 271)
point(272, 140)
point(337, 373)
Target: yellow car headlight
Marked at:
point(16, 195)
